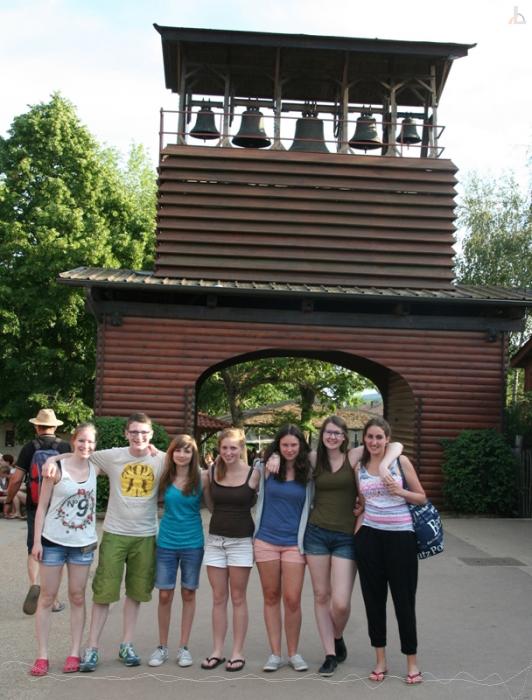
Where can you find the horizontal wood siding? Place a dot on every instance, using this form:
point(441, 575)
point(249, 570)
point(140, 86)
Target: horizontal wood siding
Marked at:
point(245, 214)
point(455, 377)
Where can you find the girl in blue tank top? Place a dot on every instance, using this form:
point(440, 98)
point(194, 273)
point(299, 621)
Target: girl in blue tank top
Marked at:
point(282, 514)
point(179, 542)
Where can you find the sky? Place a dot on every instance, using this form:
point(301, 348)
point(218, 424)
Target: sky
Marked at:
point(105, 57)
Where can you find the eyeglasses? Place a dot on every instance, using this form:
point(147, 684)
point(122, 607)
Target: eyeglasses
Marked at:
point(333, 434)
point(136, 433)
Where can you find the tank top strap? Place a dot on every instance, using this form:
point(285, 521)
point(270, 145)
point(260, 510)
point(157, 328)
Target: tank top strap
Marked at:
point(246, 482)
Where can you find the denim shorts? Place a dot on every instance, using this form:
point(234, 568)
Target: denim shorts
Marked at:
point(319, 541)
point(169, 560)
point(59, 555)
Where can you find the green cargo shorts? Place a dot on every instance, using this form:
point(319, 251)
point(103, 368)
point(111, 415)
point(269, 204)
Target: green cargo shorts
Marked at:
point(138, 556)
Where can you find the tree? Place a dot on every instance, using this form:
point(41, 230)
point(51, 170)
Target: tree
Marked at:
point(64, 202)
point(497, 246)
point(269, 380)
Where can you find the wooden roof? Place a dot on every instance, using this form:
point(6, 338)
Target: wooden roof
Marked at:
point(312, 66)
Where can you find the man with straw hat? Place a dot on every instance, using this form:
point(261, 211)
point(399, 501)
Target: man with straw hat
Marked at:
point(45, 423)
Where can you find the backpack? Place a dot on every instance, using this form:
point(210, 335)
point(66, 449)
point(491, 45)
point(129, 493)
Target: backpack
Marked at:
point(40, 456)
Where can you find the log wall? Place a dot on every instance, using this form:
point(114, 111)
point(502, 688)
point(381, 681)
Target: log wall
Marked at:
point(245, 214)
point(435, 383)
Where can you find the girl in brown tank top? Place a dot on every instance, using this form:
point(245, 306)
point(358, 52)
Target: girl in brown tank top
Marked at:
point(229, 549)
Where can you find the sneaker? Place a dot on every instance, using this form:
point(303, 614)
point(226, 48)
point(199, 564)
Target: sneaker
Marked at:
point(159, 656)
point(184, 657)
point(298, 663)
point(328, 667)
point(274, 663)
point(128, 655)
point(340, 650)
point(89, 660)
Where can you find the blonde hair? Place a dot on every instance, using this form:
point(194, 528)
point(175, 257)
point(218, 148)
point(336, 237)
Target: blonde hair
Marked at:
point(239, 436)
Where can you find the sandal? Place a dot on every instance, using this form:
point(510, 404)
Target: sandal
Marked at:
point(234, 665)
point(378, 676)
point(212, 662)
point(414, 678)
point(40, 667)
point(58, 607)
point(71, 664)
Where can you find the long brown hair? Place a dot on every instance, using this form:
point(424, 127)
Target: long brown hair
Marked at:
point(322, 456)
point(170, 469)
point(232, 434)
point(301, 464)
point(378, 422)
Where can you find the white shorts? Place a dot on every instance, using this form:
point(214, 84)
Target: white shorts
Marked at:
point(222, 552)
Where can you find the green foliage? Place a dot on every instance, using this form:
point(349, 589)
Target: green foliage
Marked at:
point(519, 420)
point(64, 203)
point(497, 246)
point(480, 473)
point(267, 381)
point(111, 433)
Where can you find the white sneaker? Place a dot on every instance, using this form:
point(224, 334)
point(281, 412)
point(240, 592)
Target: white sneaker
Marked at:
point(184, 657)
point(274, 663)
point(159, 656)
point(298, 663)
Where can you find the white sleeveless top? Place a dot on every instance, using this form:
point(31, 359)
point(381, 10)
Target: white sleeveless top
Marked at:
point(71, 517)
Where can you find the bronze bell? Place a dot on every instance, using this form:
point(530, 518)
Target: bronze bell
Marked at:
point(205, 128)
point(251, 133)
point(308, 135)
point(366, 136)
point(408, 133)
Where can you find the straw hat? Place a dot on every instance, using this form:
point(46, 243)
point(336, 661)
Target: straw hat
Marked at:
point(46, 417)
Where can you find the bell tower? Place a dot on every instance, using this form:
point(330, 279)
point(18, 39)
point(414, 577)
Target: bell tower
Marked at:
point(305, 159)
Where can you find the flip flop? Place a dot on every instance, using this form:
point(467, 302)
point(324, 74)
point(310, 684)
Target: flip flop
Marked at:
point(378, 676)
point(231, 668)
point(414, 678)
point(30, 603)
point(208, 665)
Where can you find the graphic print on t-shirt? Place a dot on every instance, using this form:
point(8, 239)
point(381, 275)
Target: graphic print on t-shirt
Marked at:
point(137, 480)
point(76, 512)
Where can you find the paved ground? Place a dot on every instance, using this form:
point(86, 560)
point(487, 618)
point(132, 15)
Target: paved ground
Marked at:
point(474, 619)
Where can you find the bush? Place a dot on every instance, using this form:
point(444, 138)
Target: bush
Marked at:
point(111, 434)
point(480, 474)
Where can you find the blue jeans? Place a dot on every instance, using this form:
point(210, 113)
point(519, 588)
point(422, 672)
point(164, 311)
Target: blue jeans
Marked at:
point(59, 555)
point(169, 560)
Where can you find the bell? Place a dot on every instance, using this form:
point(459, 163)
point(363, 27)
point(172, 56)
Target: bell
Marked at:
point(408, 133)
point(366, 136)
point(205, 128)
point(308, 135)
point(251, 133)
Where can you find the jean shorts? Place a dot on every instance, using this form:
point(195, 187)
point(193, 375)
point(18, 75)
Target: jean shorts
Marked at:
point(169, 560)
point(59, 555)
point(319, 541)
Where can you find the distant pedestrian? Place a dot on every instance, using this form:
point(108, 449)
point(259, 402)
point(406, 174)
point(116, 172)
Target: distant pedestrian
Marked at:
point(45, 423)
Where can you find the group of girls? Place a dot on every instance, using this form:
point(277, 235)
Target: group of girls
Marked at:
point(332, 508)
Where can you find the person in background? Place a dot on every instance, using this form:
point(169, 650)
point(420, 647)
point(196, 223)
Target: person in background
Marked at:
point(45, 423)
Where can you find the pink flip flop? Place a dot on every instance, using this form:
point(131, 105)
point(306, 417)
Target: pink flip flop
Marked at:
point(414, 678)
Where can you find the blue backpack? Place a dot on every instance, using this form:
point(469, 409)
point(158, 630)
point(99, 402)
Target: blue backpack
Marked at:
point(40, 456)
